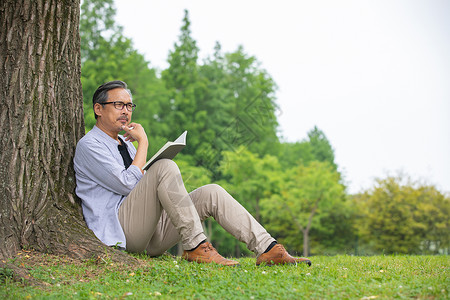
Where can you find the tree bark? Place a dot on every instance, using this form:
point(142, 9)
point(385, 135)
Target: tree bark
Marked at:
point(304, 230)
point(308, 227)
point(42, 120)
point(305, 242)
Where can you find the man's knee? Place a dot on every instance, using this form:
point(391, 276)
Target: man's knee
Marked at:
point(165, 163)
point(165, 167)
point(213, 188)
point(216, 193)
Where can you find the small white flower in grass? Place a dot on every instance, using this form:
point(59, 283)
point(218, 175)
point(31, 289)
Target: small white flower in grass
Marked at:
point(128, 294)
point(245, 271)
point(400, 287)
point(177, 266)
point(263, 272)
point(308, 274)
point(381, 271)
point(175, 262)
point(430, 287)
point(252, 297)
point(344, 269)
point(157, 293)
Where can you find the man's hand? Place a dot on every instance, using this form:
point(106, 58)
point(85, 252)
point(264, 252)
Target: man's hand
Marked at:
point(134, 132)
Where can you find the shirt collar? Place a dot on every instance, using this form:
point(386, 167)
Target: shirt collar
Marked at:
point(104, 135)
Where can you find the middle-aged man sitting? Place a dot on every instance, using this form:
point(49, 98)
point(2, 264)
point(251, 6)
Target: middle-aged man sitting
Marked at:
point(152, 211)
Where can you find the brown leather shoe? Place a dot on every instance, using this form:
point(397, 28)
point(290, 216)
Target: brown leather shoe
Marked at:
point(279, 256)
point(206, 253)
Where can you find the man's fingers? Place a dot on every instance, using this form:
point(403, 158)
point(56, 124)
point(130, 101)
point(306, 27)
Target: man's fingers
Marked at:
point(127, 128)
point(134, 132)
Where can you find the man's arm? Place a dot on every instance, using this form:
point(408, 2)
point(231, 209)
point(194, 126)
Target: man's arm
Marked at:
point(135, 132)
point(95, 163)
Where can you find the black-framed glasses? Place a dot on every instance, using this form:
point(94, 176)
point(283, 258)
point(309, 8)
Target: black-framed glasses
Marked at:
point(119, 105)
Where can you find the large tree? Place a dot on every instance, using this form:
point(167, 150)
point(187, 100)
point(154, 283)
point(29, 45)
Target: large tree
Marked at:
point(186, 89)
point(306, 194)
point(106, 54)
point(314, 148)
point(42, 120)
point(400, 216)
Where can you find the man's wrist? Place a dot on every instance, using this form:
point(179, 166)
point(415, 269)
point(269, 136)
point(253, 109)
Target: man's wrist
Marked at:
point(143, 143)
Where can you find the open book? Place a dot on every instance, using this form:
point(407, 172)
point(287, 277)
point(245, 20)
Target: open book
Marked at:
point(169, 150)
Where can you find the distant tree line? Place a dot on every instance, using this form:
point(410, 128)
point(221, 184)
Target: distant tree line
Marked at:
point(228, 105)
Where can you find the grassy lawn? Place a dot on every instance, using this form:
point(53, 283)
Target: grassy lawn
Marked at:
point(342, 277)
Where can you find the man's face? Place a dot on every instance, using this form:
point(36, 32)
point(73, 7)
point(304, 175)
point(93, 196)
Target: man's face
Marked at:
point(111, 118)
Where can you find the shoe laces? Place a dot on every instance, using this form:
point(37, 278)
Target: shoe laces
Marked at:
point(208, 247)
point(282, 247)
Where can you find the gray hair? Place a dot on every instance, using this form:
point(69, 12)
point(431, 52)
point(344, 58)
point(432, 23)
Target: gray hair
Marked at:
point(101, 94)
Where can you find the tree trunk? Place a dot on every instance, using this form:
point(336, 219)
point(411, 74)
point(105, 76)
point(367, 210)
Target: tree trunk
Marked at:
point(305, 242)
point(308, 227)
point(237, 249)
point(258, 211)
point(42, 120)
point(210, 230)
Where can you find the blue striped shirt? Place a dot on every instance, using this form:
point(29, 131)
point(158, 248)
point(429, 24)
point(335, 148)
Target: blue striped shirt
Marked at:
point(103, 183)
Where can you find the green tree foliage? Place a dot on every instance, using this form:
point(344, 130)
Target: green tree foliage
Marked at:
point(433, 211)
point(335, 231)
point(226, 102)
point(193, 176)
point(240, 105)
point(298, 153)
point(96, 21)
point(253, 122)
point(250, 178)
point(108, 55)
point(228, 105)
point(246, 178)
point(307, 194)
point(399, 216)
point(185, 90)
point(314, 148)
point(333, 228)
point(321, 147)
point(218, 105)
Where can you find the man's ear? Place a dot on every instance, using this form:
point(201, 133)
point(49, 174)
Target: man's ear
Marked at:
point(98, 109)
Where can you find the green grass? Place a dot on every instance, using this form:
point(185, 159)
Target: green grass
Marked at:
point(336, 277)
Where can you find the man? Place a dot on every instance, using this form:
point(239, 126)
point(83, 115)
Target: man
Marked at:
point(152, 211)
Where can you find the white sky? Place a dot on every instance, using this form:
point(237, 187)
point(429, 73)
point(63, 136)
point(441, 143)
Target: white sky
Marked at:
point(374, 76)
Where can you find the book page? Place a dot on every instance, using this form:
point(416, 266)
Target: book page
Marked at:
point(169, 150)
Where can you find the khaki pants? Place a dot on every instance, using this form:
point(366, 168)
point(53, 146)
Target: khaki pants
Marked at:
point(158, 213)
